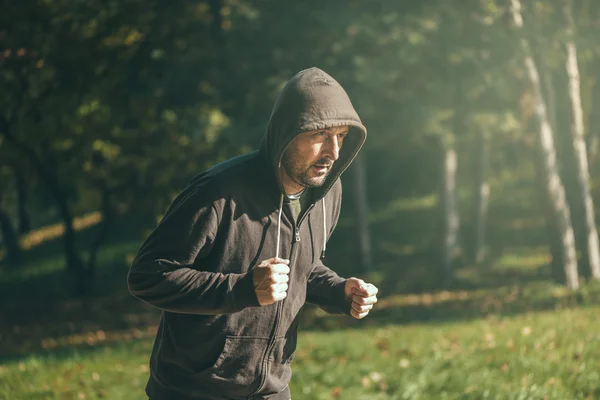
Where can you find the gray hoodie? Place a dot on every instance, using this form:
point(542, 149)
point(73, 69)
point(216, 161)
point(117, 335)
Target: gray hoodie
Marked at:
point(214, 340)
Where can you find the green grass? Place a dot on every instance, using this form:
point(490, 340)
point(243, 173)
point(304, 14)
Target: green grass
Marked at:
point(544, 355)
point(114, 372)
point(533, 356)
point(502, 331)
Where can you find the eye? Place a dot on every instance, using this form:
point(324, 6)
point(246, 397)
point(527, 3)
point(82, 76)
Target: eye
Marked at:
point(320, 133)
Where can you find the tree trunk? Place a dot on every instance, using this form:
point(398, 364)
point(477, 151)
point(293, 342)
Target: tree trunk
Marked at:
point(553, 233)
point(73, 261)
point(593, 126)
point(24, 219)
point(9, 236)
point(362, 212)
point(591, 247)
point(449, 197)
point(545, 72)
point(483, 195)
point(550, 94)
point(107, 219)
point(47, 174)
point(11, 241)
point(554, 186)
point(450, 212)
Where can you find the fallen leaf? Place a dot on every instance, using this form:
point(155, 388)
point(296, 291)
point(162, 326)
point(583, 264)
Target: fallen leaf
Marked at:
point(336, 392)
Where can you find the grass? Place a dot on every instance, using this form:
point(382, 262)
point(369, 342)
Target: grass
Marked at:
point(503, 331)
point(532, 356)
point(543, 355)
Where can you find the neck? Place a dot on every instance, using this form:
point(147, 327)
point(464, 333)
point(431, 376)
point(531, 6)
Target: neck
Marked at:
point(289, 185)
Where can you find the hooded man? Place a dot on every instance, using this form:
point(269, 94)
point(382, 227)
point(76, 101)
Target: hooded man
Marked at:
point(240, 251)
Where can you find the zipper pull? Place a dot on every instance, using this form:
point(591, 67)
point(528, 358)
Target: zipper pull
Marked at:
point(297, 234)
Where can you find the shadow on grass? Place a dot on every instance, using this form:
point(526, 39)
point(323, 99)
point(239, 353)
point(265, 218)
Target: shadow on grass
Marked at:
point(43, 285)
point(52, 248)
point(42, 277)
point(40, 311)
point(77, 322)
point(39, 315)
point(120, 320)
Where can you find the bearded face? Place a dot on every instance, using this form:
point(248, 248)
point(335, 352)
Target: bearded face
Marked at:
point(309, 158)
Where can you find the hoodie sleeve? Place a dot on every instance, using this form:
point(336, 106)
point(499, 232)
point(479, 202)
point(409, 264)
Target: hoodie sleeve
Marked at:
point(326, 290)
point(167, 271)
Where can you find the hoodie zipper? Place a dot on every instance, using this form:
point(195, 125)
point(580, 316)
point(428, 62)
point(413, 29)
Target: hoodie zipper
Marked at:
point(271, 345)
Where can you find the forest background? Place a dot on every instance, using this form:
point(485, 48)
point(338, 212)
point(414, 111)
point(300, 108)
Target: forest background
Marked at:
point(471, 206)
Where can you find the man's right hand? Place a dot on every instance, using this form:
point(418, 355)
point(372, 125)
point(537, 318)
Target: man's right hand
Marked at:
point(270, 280)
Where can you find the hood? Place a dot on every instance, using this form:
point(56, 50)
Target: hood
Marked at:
point(311, 100)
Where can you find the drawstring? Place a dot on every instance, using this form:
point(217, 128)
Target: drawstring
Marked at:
point(279, 226)
point(324, 230)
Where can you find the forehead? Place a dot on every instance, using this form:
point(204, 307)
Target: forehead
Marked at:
point(332, 131)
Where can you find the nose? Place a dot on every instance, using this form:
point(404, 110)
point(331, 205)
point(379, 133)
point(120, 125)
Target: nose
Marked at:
point(332, 147)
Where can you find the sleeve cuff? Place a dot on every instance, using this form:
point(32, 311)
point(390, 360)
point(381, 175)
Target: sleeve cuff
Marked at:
point(339, 293)
point(243, 292)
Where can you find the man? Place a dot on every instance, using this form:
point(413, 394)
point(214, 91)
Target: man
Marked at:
point(240, 251)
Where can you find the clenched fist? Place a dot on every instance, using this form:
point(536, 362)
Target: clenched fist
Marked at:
point(270, 280)
point(362, 295)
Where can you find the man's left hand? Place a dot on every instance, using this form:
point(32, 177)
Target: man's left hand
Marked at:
point(362, 295)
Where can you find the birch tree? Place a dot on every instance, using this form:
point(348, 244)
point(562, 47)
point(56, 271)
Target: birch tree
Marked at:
point(483, 196)
point(554, 187)
point(450, 210)
point(593, 125)
point(449, 196)
point(583, 177)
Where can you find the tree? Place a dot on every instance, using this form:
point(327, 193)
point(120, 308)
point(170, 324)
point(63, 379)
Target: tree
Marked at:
point(553, 184)
point(8, 233)
point(593, 124)
point(482, 189)
point(591, 247)
point(120, 81)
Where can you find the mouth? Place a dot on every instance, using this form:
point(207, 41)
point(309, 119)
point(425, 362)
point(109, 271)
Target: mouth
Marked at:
point(322, 168)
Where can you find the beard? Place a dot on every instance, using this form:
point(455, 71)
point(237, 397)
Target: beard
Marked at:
point(302, 174)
